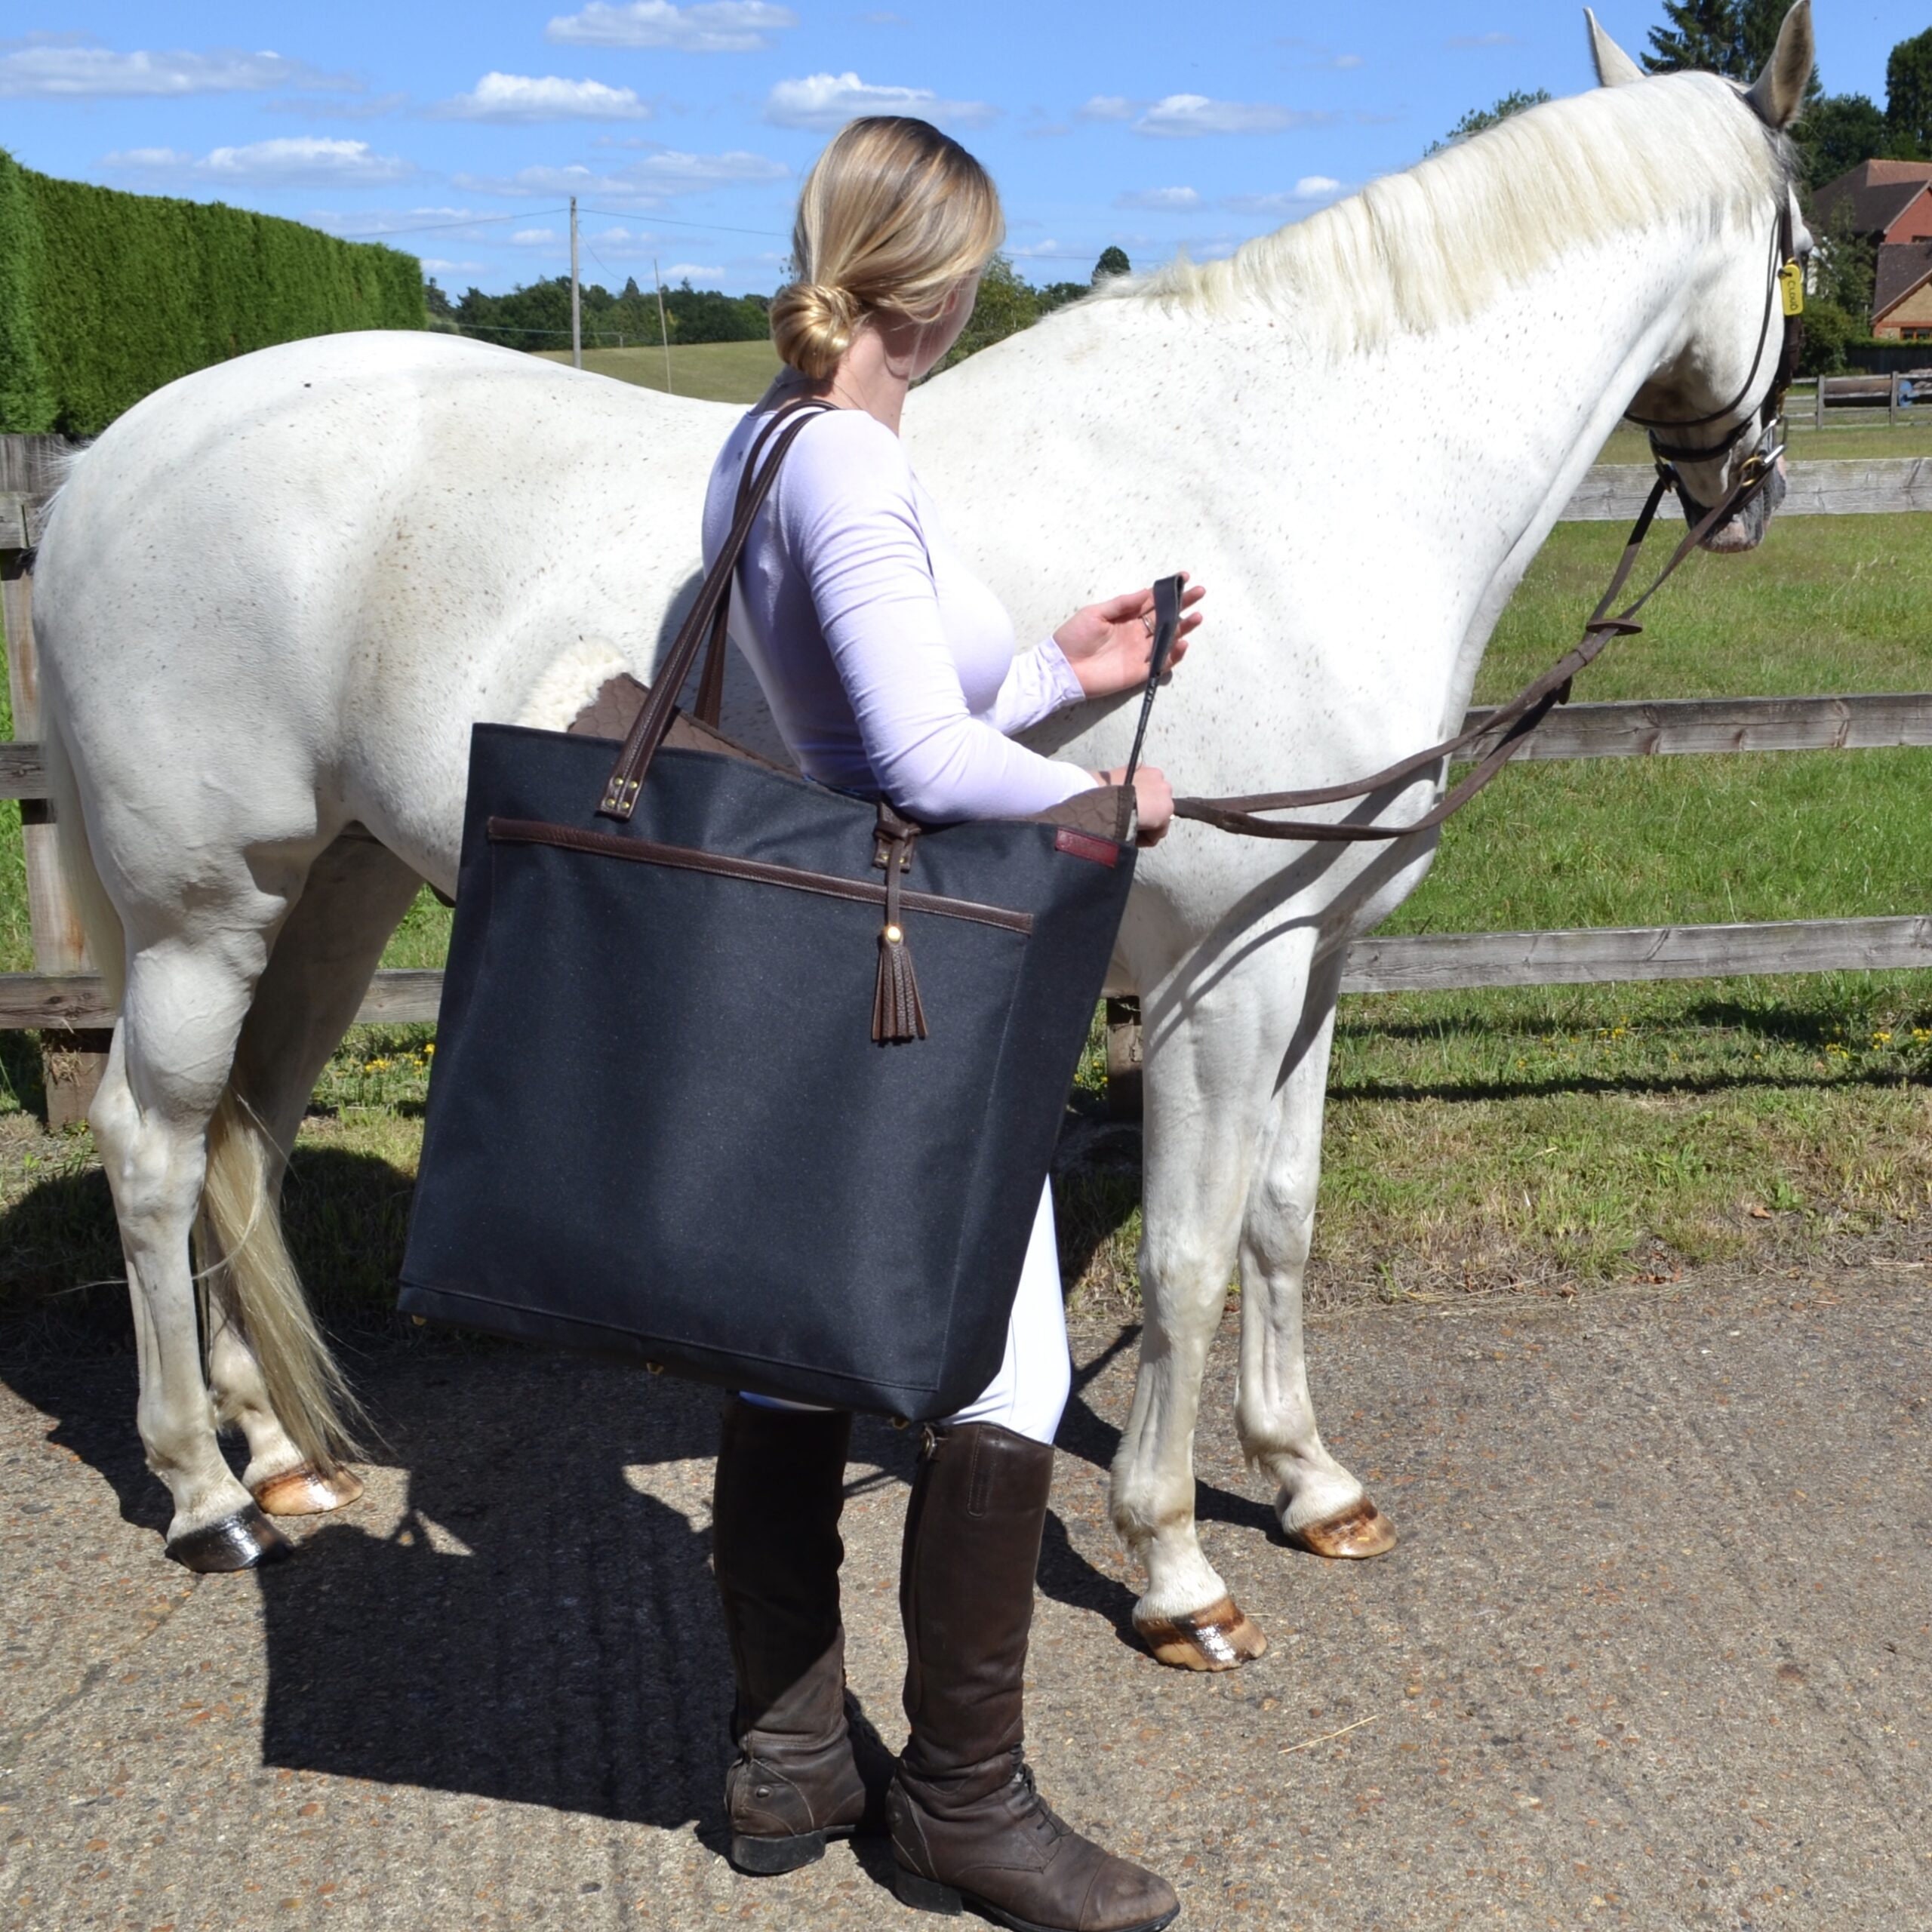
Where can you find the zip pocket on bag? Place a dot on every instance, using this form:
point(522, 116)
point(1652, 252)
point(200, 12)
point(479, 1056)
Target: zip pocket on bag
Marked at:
point(754, 871)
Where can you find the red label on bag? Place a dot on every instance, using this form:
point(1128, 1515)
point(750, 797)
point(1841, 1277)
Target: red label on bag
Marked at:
point(1087, 845)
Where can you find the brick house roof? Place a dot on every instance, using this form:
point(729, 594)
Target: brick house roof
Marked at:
point(1903, 267)
point(1881, 191)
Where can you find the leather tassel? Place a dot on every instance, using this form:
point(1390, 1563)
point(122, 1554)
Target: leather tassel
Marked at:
point(897, 1015)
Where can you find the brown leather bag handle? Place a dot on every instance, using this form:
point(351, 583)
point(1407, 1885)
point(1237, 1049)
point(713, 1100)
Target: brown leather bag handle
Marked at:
point(709, 614)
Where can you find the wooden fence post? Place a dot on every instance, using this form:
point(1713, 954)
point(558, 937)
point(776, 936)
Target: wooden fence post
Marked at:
point(1818, 405)
point(1892, 401)
point(72, 1060)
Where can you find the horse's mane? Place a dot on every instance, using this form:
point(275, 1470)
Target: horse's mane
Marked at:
point(1434, 244)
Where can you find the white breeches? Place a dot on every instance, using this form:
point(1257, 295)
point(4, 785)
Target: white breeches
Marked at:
point(1030, 1389)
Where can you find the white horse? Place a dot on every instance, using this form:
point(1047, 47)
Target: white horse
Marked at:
point(273, 595)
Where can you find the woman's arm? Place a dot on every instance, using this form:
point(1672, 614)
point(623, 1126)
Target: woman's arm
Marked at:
point(849, 521)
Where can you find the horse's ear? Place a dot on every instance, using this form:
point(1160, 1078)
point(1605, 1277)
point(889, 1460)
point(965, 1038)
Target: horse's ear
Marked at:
point(1778, 92)
point(1614, 67)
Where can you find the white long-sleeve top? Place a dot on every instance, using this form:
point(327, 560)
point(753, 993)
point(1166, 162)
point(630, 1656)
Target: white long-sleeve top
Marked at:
point(889, 667)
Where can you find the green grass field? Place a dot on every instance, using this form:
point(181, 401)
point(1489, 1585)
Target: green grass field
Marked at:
point(712, 371)
point(1477, 1141)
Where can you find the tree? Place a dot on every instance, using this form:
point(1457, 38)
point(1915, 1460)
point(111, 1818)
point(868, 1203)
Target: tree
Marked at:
point(1480, 118)
point(1909, 98)
point(1058, 294)
point(1734, 38)
point(436, 302)
point(1845, 263)
point(1113, 261)
point(1006, 305)
point(1700, 34)
point(1837, 132)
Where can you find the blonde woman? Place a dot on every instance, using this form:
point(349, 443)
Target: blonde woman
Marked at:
point(890, 671)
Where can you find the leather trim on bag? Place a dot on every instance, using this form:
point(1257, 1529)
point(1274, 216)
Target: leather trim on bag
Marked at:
point(757, 872)
point(1087, 845)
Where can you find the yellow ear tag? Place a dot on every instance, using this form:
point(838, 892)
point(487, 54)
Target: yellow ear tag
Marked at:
point(1791, 282)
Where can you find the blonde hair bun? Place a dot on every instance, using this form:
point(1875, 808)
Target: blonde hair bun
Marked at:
point(893, 216)
point(811, 327)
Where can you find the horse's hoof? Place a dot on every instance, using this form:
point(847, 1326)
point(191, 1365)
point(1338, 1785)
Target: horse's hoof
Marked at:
point(306, 1491)
point(1220, 1638)
point(244, 1541)
point(1360, 1530)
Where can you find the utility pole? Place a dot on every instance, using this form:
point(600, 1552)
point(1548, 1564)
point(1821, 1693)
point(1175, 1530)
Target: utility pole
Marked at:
point(663, 326)
point(577, 307)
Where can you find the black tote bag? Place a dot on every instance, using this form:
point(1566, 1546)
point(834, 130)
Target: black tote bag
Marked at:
point(743, 1077)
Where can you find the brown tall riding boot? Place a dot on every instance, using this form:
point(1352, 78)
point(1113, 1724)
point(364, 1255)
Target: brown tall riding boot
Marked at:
point(809, 1766)
point(967, 1825)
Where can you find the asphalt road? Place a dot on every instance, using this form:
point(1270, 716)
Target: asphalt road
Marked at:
point(1656, 1649)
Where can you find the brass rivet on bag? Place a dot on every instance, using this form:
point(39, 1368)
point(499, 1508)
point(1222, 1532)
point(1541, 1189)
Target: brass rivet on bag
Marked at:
point(655, 1367)
point(901, 1422)
point(892, 936)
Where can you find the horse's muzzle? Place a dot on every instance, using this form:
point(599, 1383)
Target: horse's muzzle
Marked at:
point(1744, 528)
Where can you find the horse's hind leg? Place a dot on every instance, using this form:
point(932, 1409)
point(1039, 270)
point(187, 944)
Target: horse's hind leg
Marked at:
point(320, 967)
point(180, 1017)
point(1322, 1507)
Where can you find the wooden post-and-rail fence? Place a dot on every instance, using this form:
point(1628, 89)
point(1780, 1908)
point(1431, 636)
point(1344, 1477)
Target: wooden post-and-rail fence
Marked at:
point(63, 997)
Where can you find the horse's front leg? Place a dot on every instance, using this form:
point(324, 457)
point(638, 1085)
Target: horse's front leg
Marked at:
point(1215, 1035)
point(1322, 1507)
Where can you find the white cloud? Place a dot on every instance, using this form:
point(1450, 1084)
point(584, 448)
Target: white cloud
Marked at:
point(825, 102)
point(1108, 107)
point(1172, 199)
point(1347, 60)
point(649, 180)
point(708, 27)
point(525, 97)
point(435, 264)
point(57, 70)
point(1182, 115)
point(693, 271)
point(1310, 190)
point(535, 237)
point(1036, 249)
point(300, 161)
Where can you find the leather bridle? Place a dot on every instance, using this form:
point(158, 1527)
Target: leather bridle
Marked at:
point(1510, 725)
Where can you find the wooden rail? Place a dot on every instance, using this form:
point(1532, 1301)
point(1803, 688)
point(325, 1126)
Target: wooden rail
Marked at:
point(1593, 955)
point(1614, 492)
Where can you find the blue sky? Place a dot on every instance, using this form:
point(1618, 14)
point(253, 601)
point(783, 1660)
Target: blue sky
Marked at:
point(460, 131)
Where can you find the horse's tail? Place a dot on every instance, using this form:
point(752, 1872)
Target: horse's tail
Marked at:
point(239, 1251)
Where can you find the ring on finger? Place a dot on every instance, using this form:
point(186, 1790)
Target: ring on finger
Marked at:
point(1147, 623)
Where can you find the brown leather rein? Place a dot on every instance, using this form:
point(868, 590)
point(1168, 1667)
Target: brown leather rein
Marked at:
point(1516, 720)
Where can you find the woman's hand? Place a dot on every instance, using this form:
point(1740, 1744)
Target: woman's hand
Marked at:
point(1110, 645)
point(1153, 801)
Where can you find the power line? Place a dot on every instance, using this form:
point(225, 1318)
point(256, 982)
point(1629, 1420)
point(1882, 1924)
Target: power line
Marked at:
point(670, 221)
point(440, 227)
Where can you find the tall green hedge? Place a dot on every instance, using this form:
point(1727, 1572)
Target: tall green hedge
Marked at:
point(105, 297)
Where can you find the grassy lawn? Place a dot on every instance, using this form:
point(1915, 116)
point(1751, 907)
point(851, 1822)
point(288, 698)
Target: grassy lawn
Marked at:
point(1551, 1137)
point(713, 371)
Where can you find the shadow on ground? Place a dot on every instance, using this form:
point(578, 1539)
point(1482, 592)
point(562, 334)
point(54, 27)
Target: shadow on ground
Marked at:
point(530, 1624)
